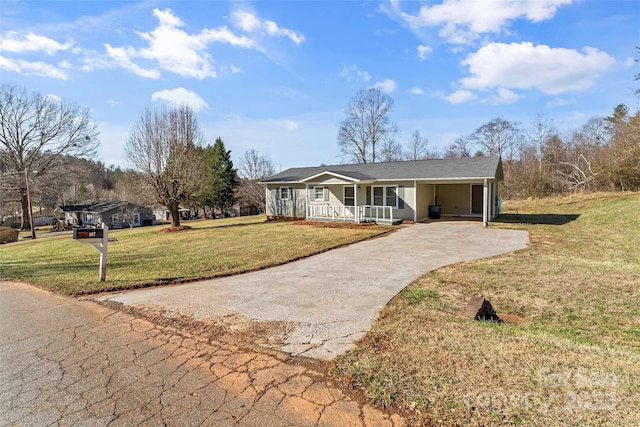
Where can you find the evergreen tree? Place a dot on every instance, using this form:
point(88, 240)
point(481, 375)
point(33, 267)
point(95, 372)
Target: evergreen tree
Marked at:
point(222, 177)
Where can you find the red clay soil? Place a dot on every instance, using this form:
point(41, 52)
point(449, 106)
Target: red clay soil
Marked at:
point(174, 229)
point(511, 318)
point(329, 224)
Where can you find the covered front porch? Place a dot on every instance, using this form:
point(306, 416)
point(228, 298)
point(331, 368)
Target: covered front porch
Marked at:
point(357, 214)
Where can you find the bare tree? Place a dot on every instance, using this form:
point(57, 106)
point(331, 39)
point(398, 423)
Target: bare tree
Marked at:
point(460, 147)
point(252, 169)
point(37, 132)
point(367, 126)
point(132, 187)
point(541, 130)
point(390, 151)
point(418, 148)
point(162, 146)
point(497, 137)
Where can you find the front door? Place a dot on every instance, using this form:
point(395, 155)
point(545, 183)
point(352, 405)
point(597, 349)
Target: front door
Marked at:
point(476, 199)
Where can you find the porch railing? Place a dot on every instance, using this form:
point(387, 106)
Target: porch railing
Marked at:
point(376, 213)
point(332, 212)
point(350, 213)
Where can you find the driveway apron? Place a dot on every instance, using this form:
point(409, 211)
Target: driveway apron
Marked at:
point(331, 300)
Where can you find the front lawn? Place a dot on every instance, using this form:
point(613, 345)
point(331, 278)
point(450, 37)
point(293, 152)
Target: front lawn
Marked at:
point(574, 361)
point(144, 256)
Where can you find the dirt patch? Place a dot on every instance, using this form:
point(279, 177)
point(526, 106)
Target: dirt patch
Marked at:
point(257, 336)
point(238, 328)
point(173, 229)
point(511, 318)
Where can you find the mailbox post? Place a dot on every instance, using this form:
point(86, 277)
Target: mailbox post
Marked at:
point(99, 239)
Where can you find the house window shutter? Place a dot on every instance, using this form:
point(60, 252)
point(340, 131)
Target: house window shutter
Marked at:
point(325, 194)
point(401, 197)
point(312, 194)
point(368, 196)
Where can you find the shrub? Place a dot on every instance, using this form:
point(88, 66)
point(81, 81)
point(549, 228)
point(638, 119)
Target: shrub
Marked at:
point(8, 235)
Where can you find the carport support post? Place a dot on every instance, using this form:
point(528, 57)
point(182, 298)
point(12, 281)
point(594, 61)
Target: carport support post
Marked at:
point(485, 203)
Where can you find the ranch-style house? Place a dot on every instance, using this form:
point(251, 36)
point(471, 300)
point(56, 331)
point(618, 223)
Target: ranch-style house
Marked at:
point(387, 192)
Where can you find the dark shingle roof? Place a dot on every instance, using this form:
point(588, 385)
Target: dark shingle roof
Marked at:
point(98, 207)
point(452, 169)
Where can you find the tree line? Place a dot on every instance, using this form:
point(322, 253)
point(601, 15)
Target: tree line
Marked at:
point(539, 160)
point(50, 143)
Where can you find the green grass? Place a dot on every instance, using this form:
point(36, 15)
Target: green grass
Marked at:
point(144, 256)
point(575, 360)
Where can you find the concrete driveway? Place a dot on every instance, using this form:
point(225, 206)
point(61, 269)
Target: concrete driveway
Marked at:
point(331, 300)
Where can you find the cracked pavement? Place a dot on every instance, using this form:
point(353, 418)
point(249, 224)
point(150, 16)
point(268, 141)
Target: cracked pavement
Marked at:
point(66, 362)
point(330, 300)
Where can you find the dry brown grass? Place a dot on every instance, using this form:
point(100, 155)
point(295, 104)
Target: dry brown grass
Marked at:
point(575, 360)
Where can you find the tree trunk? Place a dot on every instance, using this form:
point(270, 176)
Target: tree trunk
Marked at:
point(175, 214)
point(26, 218)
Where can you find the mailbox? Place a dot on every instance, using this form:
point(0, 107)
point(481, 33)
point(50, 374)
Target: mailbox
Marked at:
point(88, 235)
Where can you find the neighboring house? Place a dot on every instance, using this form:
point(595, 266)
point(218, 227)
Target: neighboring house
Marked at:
point(387, 192)
point(161, 213)
point(119, 214)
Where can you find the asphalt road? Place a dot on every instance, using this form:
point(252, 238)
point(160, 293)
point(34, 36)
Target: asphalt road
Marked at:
point(331, 300)
point(65, 362)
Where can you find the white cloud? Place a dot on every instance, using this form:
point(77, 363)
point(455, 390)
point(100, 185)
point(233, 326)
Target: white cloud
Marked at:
point(386, 86)
point(525, 66)
point(288, 125)
point(13, 42)
point(180, 96)
point(250, 23)
point(53, 98)
point(423, 52)
point(560, 102)
point(122, 57)
point(170, 48)
point(462, 21)
point(416, 91)
point(174, 50)
point(460, 96)
point(37, 68)
point(352, 71)
point(504, 96)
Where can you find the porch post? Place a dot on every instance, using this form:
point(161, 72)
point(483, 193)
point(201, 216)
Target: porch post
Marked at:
point(355, 202)
point(415, 201)
point(485, 203)
point(307, 207)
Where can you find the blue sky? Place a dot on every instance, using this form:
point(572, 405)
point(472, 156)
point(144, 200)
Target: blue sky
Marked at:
point(276, 75)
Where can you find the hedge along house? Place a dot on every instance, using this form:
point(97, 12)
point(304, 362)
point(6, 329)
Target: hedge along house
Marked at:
point(387, 192)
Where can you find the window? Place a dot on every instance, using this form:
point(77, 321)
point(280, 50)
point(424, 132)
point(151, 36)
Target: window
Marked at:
point(318, 193)
point(391, 196)
point(385, 196)
point(283, 193)
point(349, 197)
point(378, 196)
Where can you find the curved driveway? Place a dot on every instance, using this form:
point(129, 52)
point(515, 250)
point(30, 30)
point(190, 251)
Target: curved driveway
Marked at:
point(332, 299)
